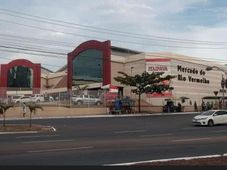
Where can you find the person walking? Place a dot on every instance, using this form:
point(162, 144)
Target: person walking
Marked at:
point(24, 107)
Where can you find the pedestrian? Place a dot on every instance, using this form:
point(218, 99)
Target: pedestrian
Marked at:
point(203, 106)
point(118, 105)
point(24, 107)
point(179, 107)
point(195, 106)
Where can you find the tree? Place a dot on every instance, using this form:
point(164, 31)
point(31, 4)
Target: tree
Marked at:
point(145, 83)
point(33, 108)
point(3, 108)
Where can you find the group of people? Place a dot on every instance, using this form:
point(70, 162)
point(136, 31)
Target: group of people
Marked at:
point(122, 105)
point(209, 106)
point(170, 107)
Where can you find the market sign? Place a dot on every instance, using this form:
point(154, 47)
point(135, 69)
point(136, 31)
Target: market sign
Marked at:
point(158, 65)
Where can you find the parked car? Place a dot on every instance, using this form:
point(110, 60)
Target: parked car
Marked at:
point(86, 99)
point(15, 98)
point(23, 99)
point(37, 98)
point(210, 118)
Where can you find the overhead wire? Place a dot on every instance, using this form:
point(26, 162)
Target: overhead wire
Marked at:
point(114, 40)
point(39, 49)
point(102, 30)
point(57, 66)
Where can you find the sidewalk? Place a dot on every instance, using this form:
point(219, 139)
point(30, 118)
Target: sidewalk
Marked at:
point(63, 112)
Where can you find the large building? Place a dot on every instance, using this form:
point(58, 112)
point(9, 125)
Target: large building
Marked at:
point(95, 64)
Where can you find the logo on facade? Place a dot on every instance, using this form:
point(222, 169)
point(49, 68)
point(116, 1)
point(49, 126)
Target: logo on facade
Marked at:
point(158, 68)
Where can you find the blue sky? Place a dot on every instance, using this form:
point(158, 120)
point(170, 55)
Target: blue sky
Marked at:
point(202, 23)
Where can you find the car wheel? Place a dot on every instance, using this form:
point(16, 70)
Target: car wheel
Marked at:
point(210, 123)
point(98, 103)
point(79, 102)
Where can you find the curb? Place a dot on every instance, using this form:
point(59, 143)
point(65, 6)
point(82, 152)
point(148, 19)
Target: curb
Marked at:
point(105, 115)
point(27, 132)
point(19, 132)
point(166, 160)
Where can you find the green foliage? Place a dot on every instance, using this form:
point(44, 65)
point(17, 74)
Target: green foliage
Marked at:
point(145, 83)
point(33, 107)
point(3, 108)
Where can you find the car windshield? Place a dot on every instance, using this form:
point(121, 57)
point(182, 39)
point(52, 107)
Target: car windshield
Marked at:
point(16, 97)
point(207, 113)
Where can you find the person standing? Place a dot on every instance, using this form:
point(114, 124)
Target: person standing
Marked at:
point(24, 107)
point(195, 106)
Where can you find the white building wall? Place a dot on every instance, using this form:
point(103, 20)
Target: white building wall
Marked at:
point(185, 84)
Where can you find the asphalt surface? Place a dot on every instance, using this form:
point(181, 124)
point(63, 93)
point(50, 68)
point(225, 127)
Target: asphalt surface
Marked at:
point(111, 140)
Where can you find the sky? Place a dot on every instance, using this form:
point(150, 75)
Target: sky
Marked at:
point(44, 31)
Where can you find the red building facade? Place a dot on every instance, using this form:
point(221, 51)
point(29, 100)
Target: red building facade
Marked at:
point(6, 68)
point(105, 50)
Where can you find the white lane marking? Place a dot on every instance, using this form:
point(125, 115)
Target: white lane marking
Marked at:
point(188, 140)
point(158, 135)
point(4, 133)
point(47, 141)
point(61, 149)
point(164, 160)
point(36, 136)
point(129, 131)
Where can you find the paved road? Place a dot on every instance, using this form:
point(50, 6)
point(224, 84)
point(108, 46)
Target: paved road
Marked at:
point(112, 140)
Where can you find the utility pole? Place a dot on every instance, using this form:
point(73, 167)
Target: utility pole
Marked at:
point(131, 87)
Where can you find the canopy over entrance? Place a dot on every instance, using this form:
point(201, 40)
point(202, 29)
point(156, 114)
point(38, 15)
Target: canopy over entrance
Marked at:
point(112, 88)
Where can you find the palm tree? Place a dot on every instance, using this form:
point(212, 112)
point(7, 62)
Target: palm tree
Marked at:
point(3, 108)
point(33, 108)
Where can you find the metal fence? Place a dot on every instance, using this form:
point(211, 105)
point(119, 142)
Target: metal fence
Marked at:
point(75, 98)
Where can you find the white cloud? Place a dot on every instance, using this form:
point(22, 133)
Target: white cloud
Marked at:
point(149, 17)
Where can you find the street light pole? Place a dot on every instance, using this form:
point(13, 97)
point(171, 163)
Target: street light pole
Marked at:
point(223, 91)
point(223, 82)
point(131, 87)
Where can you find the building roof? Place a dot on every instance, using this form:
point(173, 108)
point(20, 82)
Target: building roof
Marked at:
point(185, 58)
point(62, 68)
point(124, 50)
point(62, 83)
point(46, 70)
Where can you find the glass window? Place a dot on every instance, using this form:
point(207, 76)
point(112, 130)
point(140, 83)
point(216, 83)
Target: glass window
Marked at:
point(88, 67)
point(20, 76)
point(220, 113)
point(207, 113)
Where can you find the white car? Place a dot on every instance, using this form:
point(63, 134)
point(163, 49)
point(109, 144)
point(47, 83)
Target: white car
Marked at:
point(15, 98)
point(210, 118)
point(24, 99)
point(37, 98)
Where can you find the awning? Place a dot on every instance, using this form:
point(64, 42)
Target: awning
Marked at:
point(112, 88)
